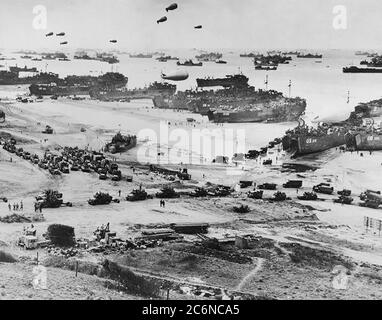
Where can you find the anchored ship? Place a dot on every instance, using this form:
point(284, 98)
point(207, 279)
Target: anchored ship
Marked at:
point(265, 68)
point(141, 56)
point(271, 60)
point(354, 69)
point(213, 56)
point(166, 58)
point(310, 56)
point(190, 63)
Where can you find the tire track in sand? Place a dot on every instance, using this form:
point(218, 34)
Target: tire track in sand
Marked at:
point(251, 274)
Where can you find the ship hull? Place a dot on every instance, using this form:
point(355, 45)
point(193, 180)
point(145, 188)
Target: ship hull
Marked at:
point(226, 83)
point(236, 81)
point(364, 141)
point(40, 90)
point(361, 70)
point(282, 113)
point(304, 145)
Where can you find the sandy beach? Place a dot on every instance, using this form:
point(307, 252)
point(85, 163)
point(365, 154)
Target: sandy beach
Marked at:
point(316, 226)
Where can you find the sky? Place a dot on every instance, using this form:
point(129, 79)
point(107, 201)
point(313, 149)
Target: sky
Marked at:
point(262, 24)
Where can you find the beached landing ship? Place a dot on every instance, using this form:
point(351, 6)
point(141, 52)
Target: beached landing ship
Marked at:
point(274, 110)
point(304, 140)
point(79, 85)
point(364, 140)
point(17, 69)
point(238, 102)
point(13, 78)
point(153, 90)
point(363, 111)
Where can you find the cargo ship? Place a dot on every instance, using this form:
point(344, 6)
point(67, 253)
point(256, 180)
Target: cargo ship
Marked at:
point(304, 140)
point(354, 69)
point(79, 85)
point(238, 80)
point(155, 89)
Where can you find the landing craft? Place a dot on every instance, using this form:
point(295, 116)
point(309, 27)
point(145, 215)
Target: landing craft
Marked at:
point(65, 42)
point(113, 41)
point(198, 27)
point(163, 19)
point(172, 7)
point(175, 76)
point(49, 34)
point(61, 34)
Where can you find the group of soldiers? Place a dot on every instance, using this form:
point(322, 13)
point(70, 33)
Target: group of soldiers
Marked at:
point(38, 207)
point(16, 206)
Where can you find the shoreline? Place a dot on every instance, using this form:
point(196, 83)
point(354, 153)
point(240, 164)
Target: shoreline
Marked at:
point(289, 222)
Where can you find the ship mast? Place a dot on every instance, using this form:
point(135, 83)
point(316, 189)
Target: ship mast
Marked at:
point(266, 82)
point(348, 100)
point(290, 87)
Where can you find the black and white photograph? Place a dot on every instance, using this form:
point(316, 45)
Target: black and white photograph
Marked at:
point(213, 152)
